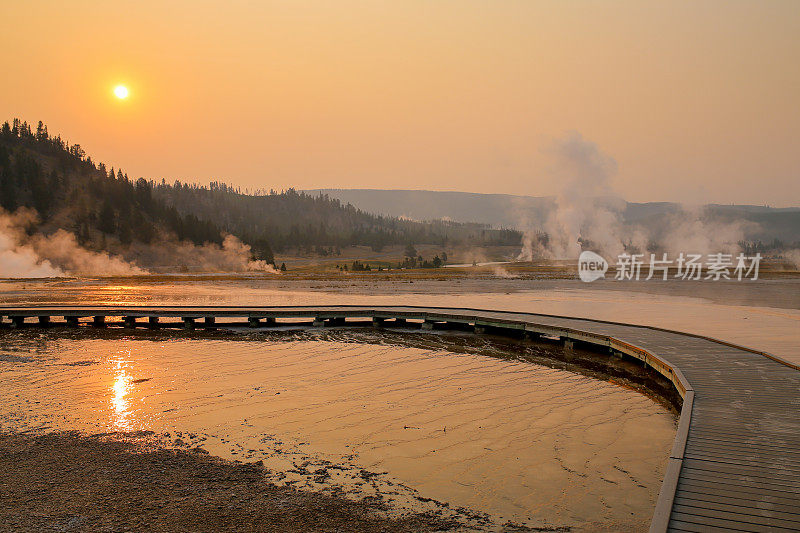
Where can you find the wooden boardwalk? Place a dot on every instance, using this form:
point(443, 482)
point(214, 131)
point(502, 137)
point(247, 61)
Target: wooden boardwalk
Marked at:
point(735, 463)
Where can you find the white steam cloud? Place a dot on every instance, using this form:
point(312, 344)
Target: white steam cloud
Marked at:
point(589, 213)
point(232, 256)
point(60, 254)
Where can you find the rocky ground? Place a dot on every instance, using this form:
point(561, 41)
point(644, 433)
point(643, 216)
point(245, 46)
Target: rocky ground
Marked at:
point(68, 482)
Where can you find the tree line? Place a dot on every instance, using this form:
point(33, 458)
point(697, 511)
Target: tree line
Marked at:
point(68, 190)
point(100, 205)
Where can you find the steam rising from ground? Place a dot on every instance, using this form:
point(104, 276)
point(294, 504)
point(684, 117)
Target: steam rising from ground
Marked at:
point(60, 254)
point(585, 174)
point(589, 213)
point(38, 255)
point(232, 256)
point(62, 249)
point(21, 261)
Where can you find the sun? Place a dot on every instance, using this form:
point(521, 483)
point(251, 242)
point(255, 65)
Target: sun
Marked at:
point(121, 92)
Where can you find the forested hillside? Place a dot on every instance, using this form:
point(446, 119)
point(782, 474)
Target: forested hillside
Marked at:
point(106, 209)
point(69, 191)
point(297, 219)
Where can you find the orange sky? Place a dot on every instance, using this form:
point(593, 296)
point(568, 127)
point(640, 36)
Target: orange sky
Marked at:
point(696, 100)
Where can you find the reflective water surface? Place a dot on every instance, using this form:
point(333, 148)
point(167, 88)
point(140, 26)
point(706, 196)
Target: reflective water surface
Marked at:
point(764, 314)
point(358, 412)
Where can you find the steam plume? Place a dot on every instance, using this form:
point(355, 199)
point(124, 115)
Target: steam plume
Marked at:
point(232, 256)
point(53, 255)
point(60, 254)
point(589, 213)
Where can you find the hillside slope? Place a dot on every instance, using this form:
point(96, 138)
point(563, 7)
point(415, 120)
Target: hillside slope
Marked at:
point(51, 186)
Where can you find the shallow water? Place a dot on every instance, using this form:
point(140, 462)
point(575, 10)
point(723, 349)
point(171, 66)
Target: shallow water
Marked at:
point(764, 315)
point(516, 440)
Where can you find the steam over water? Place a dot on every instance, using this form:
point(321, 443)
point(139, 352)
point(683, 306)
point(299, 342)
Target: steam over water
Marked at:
point(763, 314)
point(516, 440)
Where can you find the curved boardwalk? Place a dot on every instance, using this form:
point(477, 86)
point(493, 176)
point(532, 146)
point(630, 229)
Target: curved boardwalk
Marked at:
point(735, 463)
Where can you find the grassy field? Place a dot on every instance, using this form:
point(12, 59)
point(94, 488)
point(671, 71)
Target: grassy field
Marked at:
point(391, 256)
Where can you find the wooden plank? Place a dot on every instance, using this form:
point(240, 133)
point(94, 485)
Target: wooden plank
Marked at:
point(664, 503)
point(736, 449)
point(714, 500)
point(678, 526)
point(734, 515)
point(715, 523)
point(753, 459)
point(775, 485)
point(762, 472)
point(744, 442)
point(756, 496)
point(741, 476)
point(715, 434)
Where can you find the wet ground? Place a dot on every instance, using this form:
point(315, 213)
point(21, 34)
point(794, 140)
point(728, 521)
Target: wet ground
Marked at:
point(762, 314)
point(118, 482)
point(483, 432)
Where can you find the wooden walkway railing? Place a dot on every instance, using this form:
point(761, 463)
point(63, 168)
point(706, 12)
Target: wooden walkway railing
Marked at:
point(735, 462)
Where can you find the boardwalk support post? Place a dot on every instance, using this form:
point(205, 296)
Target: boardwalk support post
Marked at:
point(17, 321)
point(480, 330)
point(428, 324)
point(130, 321)
point(188, 322)
point(254, 322)
point(44, 320)
point(152, 322)
point(72, 321)
point(377, 322)
point(514, 333)
point(99, 321)
point(210, 322)
point(568, 343)
point(318, 322)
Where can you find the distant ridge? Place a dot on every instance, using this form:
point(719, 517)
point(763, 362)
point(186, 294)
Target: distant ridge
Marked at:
point(521, 212)
point(498, 210)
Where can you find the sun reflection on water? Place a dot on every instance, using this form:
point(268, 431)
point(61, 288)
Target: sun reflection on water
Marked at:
point(120, 403)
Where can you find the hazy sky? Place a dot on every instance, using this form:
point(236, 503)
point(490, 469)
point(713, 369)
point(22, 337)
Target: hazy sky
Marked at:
point(695, 100)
